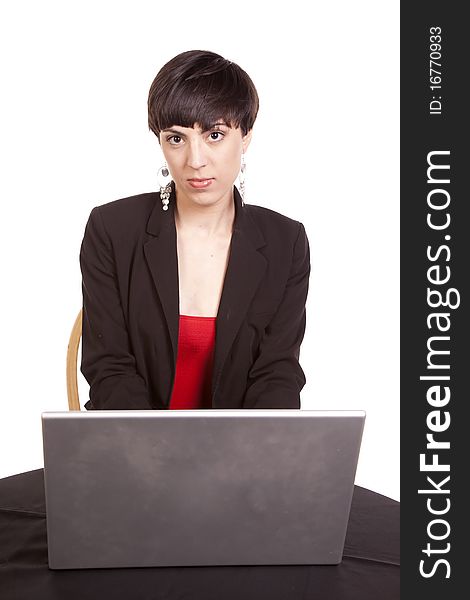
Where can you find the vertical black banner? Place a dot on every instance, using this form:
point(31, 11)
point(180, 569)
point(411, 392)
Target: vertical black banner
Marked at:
point(435, 359)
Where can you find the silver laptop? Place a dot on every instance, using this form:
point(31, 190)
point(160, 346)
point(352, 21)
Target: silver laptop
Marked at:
point(198, 487)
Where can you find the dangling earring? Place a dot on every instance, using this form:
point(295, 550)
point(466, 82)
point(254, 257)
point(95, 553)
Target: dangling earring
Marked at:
point(241, 178)
point(165, 185)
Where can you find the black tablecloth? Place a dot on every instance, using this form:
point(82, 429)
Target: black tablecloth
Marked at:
point(369, 570)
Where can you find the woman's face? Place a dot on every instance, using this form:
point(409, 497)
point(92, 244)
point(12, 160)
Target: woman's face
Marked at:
point(204, 164)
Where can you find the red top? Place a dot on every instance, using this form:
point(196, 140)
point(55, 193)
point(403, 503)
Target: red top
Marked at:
point(196, 342)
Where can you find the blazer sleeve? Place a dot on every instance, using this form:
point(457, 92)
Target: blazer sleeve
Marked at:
point(107, 360)
point(276, 377)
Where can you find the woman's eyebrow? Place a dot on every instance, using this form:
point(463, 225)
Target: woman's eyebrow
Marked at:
point(172, 131)
point(218, 124)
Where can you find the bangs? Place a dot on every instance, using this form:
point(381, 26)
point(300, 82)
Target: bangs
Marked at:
point(208, 94)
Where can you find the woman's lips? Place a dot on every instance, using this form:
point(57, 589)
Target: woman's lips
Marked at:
point(200, 183)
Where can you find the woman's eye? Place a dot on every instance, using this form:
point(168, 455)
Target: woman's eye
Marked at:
point(174, 139)
point(217, 135)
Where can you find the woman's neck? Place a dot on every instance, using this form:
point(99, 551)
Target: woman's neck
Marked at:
point(214, 219)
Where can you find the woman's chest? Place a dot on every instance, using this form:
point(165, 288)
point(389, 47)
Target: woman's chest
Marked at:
point(201, 273)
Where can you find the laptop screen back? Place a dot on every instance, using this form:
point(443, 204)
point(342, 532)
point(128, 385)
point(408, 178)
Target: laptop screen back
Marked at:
point(208, 487)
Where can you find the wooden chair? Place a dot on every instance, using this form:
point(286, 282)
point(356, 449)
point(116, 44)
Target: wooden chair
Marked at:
point(72, 355)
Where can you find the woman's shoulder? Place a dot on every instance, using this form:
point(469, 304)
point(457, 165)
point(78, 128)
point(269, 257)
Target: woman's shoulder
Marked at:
point(273, 223)
point(125, 214)
point(131, 206)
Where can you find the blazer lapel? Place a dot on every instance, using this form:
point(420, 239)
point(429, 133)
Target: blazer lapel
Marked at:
point(246, 267)
point(161, 255)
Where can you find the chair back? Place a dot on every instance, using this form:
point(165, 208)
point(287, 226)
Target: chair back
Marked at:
point(72, 355)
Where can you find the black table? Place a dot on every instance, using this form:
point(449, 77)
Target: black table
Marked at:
point(369, 570)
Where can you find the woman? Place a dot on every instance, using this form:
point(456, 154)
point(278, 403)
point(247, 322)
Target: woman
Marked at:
point(192, 299)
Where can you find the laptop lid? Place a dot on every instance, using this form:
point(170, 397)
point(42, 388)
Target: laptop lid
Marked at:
point(198, 487)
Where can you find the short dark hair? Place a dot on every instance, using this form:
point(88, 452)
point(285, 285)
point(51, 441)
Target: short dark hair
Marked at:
point(201, 87)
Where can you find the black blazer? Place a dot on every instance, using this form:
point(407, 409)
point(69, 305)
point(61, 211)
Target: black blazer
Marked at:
point(129, 266)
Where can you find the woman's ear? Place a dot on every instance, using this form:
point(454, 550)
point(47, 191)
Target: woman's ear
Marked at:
point(246, 139)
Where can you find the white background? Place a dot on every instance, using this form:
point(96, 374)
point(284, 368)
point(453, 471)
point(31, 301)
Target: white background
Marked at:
point(73, 122)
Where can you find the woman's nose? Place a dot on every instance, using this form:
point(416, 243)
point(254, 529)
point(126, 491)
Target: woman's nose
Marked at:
point(196, 155)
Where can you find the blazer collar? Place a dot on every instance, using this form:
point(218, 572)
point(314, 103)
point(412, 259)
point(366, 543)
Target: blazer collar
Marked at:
point(161, 220)
point(245, 269)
